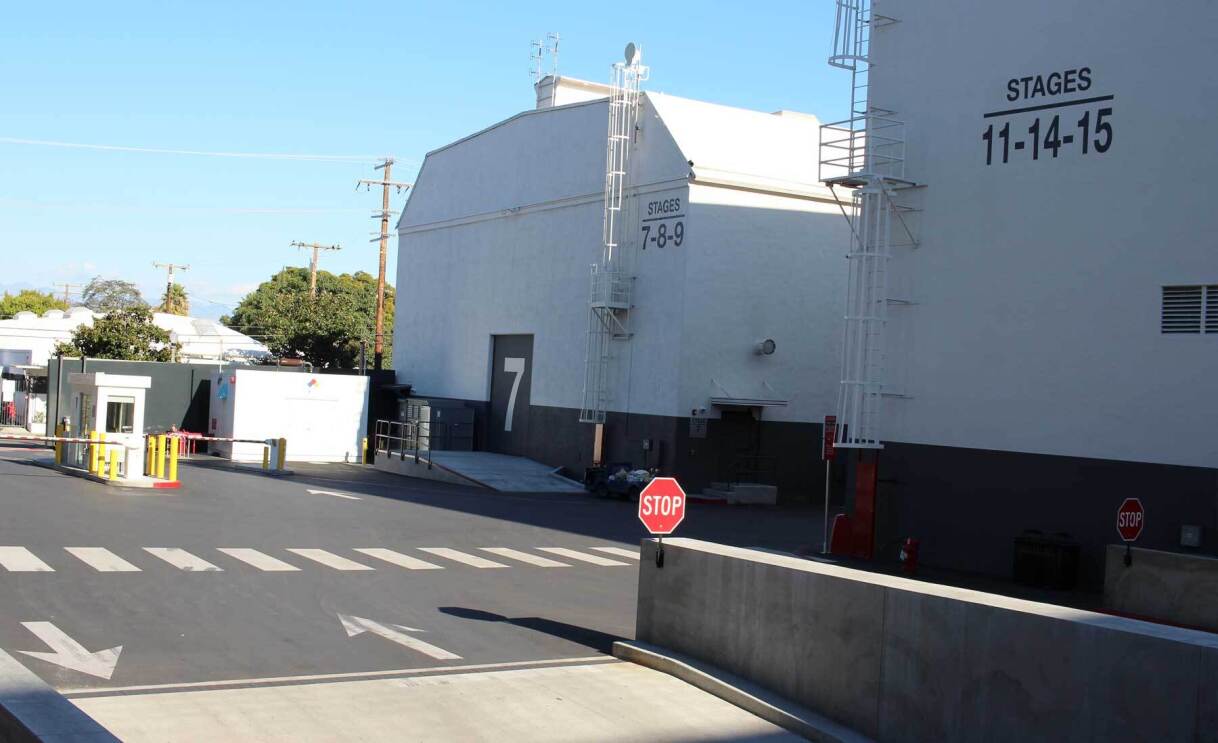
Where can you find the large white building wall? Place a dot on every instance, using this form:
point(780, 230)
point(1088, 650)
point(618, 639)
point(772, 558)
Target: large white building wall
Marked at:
point(514, 257)
point(763, 266)
point(1036, 289)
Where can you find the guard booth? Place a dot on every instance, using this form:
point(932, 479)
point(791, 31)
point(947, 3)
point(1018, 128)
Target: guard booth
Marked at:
point(112, 404)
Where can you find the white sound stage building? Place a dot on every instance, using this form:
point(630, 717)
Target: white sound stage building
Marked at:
point(1048, 292)
point(729, 359)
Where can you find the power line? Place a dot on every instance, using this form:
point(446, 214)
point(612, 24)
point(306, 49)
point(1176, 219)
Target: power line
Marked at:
point(67, 289)
point(201, 153)
point(385, 184)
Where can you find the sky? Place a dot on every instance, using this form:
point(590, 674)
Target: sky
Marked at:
point(355, 80)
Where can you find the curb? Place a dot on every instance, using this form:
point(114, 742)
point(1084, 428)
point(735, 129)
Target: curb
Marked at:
point(32, 711)
point(146, 484)
point(744, 694)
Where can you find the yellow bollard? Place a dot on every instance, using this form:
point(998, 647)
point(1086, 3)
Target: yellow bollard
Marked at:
point(266, 456)
point(282, 453)
point(114, 456)
point(59, 444)
point(159, 457)
point(173, 459)
point(149, 451)
point(94, 452)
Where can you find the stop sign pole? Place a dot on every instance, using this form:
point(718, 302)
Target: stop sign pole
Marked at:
point(662, 509)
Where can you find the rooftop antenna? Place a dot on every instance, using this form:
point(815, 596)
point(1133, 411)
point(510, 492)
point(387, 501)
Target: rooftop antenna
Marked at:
point(540, 50)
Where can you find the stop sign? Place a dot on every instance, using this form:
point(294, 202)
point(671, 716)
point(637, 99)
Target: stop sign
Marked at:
point(1130, 519)
point(662, 505)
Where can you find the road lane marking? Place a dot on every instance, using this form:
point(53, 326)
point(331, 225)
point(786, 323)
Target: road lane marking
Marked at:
point(394, 633)
point(619, 551)
point(180, 558)
point(95, 691)
point(397, 558)
point(331, 492)
point(69, 653)
point(541, 562)
point(329, 559)
point(585, 557)
point(461, 557)
point(21, 560)
point(260, 560)
point(102, 560)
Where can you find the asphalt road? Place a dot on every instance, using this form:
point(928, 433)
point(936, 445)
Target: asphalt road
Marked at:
point(246, 623)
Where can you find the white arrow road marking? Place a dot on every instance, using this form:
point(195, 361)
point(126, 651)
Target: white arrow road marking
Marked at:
point(394, 633)
point(70, 653)
point(331, 492)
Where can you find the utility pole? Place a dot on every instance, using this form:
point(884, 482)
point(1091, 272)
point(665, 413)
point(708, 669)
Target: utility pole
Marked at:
point(313, 262)
point(171, 267)
point(67, 290)
point(378, 353)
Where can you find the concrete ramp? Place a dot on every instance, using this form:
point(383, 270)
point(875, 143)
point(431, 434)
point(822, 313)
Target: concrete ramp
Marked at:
point(501, 472)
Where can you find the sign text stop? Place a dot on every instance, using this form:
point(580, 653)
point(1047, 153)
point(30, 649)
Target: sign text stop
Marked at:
point(662, 505)
point(1131, 517)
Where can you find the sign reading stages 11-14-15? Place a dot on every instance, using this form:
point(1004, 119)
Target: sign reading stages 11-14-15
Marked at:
point(1051, 113)
point(662, 220)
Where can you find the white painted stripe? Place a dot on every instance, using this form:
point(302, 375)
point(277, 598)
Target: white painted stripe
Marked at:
point(180, 558)
point(21, 560)
point(585, 557)
point(260, 560)
point(619, 551)
point(397, 558)
point(330, 560)
point(542, 562)
point(102, 560)
point(98, 691)
point(461, 557)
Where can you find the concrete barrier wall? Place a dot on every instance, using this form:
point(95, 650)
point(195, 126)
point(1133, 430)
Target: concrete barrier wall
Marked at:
point(1168, 586)
point(898, 659)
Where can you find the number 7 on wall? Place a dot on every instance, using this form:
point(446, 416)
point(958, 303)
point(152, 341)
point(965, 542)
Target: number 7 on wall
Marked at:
point(512, 365)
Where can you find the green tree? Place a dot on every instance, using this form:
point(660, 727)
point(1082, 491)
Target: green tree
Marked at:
point(174, 301)
point(126, 334)
point(29, 300)
point(106, 295)
point(326, 330)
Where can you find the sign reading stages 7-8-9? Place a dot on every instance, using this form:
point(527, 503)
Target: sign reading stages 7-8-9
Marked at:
point(661, 220)
point(1048, 119)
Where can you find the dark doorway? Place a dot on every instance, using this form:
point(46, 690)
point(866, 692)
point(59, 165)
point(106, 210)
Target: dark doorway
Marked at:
point(738, 444)
point(511, 382)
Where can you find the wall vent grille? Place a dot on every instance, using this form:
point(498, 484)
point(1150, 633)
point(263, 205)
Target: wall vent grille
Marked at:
point(1189, 309)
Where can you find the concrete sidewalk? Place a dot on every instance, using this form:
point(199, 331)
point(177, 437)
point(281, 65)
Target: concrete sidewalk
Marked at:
point(588, 701)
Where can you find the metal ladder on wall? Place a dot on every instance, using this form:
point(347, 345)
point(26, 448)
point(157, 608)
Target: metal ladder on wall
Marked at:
point(611, 289)
point(866, 155)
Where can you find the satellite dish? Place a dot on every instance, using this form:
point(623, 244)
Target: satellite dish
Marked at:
point(633, 53)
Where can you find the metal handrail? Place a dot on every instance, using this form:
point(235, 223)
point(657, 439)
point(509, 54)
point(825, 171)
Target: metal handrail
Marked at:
point(410, 438)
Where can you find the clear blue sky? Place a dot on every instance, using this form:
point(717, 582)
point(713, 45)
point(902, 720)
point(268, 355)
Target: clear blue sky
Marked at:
point(366, 78)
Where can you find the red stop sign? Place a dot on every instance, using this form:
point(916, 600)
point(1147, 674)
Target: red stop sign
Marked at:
point(1131, 517)
point(662, 505)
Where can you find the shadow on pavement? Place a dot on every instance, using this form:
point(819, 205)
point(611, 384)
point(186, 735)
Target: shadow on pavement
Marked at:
point(783, 528)
point(601, 642)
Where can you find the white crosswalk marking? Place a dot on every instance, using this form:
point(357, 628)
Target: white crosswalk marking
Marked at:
point(102, 560)
point(542, 562)
point(180, 558)
point(462, 557)
point(619, 551)
point(397, 558)
point(260, 560)
point(329, 559)
point(21, 560)
point(585, 557)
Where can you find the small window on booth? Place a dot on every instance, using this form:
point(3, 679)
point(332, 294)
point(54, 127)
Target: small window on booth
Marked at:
point(120, 415)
